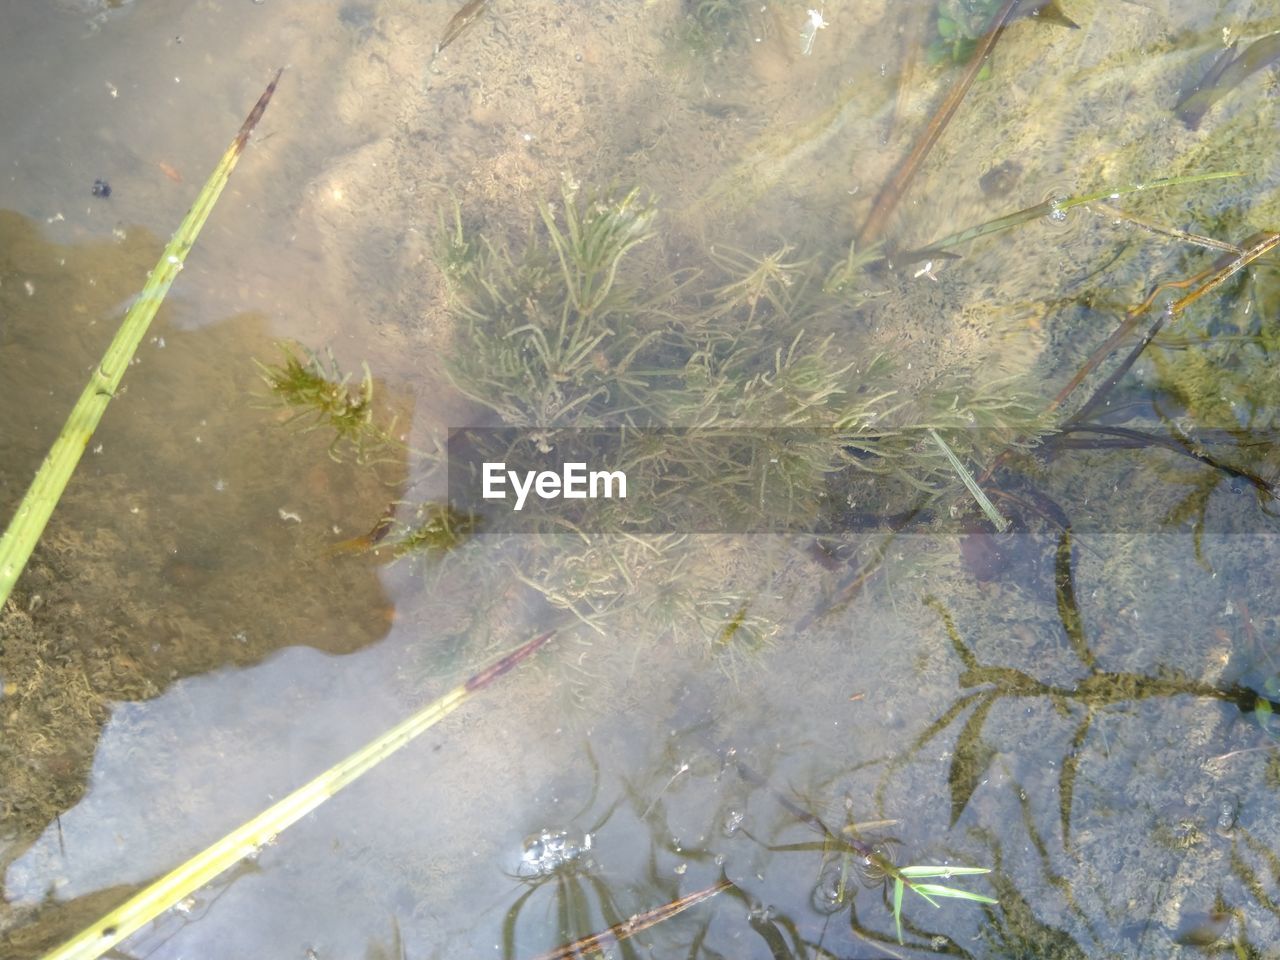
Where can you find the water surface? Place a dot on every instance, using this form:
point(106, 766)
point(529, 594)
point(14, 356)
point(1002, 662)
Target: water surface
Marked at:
point(1086, 715)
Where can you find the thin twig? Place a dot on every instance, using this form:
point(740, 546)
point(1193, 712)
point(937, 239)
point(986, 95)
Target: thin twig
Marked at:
point(1217, 279)
point(1194, 238)
point(599, 942)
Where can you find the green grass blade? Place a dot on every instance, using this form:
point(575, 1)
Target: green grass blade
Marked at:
point(936, 871)
point(28, 523)
point(1048, 207)
point(918, 888)
point(246, 839)
point(898, 884)
point(998, 521)
point(929, 890)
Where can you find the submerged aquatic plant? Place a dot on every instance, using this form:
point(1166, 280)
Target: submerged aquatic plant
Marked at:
point(597, 234)
point(431, 531)
point(323, 397)
point(1096, 690)
point(962, 23)
point(773, 279)
point(727, 429)
point(871, 862)
point(709, 27)
point(541, 345)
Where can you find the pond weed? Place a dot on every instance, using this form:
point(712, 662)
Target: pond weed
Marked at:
point(322, 396)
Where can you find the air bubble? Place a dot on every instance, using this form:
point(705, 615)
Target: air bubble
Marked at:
point(732, 823)
point(548, 850)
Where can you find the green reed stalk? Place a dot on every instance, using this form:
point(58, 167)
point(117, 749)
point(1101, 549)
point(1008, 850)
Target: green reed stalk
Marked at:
point(249, 837)
point(28, 522)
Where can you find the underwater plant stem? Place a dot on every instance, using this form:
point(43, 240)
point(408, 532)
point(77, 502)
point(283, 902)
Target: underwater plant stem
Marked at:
point(601, 942)
point(1125, 437)
point(46, 489)
point(1059, 205)
point(1220, 276)
point(248, 838)
point(1212, 279)
point(896, 187)
point(861, 847)
point(1165, 231)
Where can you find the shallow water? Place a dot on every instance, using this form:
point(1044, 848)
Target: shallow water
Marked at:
point(1081, 715)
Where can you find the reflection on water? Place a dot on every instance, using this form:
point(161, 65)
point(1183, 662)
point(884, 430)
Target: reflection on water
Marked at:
point(728, 730)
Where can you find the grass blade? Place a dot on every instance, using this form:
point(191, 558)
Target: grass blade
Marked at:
point(1047, 208)
point(994, 515)
point(928, 890)
point(246, 839)
point(898, 884)
point(902, 880)
point(37, 505)
point(935, 871)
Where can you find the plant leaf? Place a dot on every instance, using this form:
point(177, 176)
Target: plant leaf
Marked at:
point(898, 884)
point(927, 890)
point(935, 871)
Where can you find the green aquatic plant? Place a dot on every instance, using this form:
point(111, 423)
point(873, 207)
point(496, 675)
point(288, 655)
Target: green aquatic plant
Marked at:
point(962, 23)
point(709, 27)
point(870, 861)
point(434, 529)
point(772, 280)
point(1095, 691)
point(546, 336)
point(597, 234)
point(697, 609)
point(728, 429)
point(890, 462)
point(1210, 396)
point(909, 878)
point(847, 274)
point(992, 514)
point(322, 396)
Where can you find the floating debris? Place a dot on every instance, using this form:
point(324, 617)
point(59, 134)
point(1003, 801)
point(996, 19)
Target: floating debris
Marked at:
point(809, 33)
